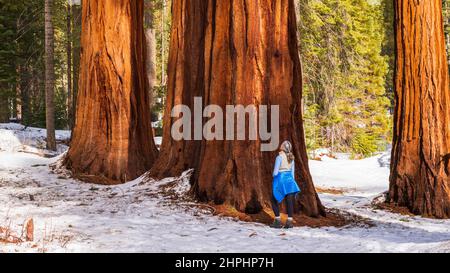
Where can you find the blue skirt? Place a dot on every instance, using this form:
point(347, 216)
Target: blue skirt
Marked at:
point(284, 184)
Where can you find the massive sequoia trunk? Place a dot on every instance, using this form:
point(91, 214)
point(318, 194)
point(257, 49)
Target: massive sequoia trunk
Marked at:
point(112, 140)
point(236, 53)
point(420, 174)
point(185, 81)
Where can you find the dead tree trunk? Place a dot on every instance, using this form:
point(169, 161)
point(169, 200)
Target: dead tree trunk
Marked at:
point(49, 77)
point(112, 140)
point(237, 53)
point(420, 169)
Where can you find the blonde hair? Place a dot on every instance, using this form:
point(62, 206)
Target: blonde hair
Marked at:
point(286, 147)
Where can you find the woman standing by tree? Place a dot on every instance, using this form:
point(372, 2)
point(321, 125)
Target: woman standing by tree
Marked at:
point(284, 185)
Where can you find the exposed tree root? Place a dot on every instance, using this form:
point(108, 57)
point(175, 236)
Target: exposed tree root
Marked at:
point(380, 203)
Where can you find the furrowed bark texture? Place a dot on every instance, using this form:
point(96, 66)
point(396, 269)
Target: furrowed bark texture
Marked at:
point(112, 140)
point(185, 81)
point(242, 53)
point(420, 169)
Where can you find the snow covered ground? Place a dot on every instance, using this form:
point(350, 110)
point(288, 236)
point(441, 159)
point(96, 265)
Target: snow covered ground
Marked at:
point(71, 216)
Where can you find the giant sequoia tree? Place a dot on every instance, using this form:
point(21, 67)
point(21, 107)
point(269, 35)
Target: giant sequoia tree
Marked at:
point(112, 140)
point(185, 81)
point(420, 175)
point(230, 53)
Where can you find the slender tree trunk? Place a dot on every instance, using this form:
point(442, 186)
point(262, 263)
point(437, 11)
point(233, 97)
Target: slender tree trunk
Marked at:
point(76, 55)
point(236, 52)
point(18, 97)
point(26, 84)
point(420, 174)
point(163, 44)
point(49, 77)
point(151, 50)
point(17, 101)
point(69, 62)
point(112, 140)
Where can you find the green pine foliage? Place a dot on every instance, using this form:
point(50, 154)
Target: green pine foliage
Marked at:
point(345, 75)
point(388, 48)
point(161, 13)
point(446, 11)
point(162, 22)
point(22, 61)
point(22, 65)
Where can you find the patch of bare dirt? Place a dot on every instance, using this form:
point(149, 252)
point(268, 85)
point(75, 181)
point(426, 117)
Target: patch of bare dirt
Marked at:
point(335, 191)
point(379, 203)
point(392, 208)
point(334, 218)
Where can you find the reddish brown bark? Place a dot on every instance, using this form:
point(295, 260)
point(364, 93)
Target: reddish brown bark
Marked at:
point(420, 169)
point(243, 52)
point(112, 140)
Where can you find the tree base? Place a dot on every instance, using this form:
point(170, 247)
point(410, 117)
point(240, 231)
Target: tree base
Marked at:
point(425, 194)
point(405, 210)
point(334, 218)
point(62, 168)
point(395, 207)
